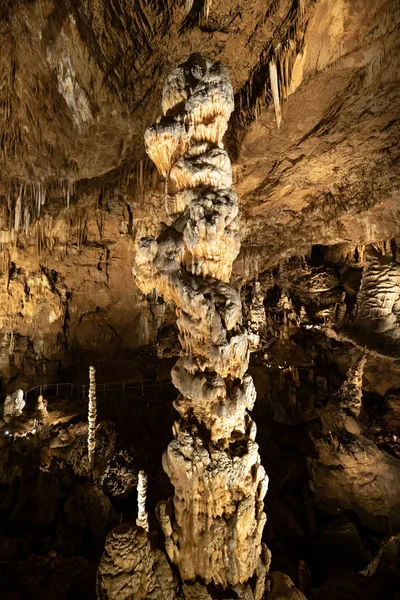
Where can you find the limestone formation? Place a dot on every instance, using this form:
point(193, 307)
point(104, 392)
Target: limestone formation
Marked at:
point(142, 518)
point(131, 568)
point(348, 472)
point(14, 404)
point(378, 301)
point(351, 390)
point(92, 416)
point(213, 529)
point(283, 588)
point(41, 405)
point(257, 318)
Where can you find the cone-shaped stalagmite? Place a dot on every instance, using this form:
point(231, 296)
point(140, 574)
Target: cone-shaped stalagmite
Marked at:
point(213, 530)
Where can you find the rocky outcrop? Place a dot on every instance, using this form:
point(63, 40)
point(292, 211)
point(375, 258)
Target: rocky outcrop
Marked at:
point(14, 405)
point(213, 531)
point(131, 568)
point(348, 471)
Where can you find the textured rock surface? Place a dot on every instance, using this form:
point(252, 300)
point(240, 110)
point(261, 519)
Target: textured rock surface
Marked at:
point(319, 230)
point(131, 568)
point(283, 588)
point(215, 527)
point(378, 301)
point(73, 77)
point(346, 460)
point(14, 404)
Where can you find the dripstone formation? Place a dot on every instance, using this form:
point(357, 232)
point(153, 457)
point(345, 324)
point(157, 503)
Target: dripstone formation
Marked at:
point(214, 525)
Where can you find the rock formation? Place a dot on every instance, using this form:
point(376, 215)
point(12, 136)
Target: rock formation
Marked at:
point(378, 301)
point(142, 518)
point(92, 416)
point(14, 405)
point(345, 459)
point(213, 529)
point(257, 318)
point(131, 568)
point(319, 229)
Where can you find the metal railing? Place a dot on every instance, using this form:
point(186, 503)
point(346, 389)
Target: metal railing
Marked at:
point(123, 388)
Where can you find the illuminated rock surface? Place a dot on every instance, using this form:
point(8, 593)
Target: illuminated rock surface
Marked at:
point(318, 228)
point(215, 528)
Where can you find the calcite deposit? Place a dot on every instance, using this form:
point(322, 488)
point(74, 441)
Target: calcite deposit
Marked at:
point(378, 301)
point(92, 415)
point(313, 140)
point(14, 404)
point(131, 568)
point(142, 519)
point(213, 529)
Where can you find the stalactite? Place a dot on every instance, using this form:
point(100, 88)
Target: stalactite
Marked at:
point(18, 211)
point(12, 343)
point(275, 91)
point(142, 518)
point(92, 416)
point(206, 9)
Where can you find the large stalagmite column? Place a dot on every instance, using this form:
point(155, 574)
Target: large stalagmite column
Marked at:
point(213, 529)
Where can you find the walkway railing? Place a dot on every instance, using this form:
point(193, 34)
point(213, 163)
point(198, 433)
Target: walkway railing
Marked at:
point(123, 388)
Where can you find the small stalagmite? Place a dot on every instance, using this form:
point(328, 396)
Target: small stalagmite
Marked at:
point(214, 525)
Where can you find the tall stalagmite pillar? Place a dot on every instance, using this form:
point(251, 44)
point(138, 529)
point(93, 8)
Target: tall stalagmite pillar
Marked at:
point(92, 416)
point(213, 527)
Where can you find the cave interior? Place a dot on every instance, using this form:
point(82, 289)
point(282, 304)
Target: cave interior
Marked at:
point(243, 247)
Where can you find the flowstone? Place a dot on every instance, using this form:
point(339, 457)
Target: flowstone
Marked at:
point(214, 525)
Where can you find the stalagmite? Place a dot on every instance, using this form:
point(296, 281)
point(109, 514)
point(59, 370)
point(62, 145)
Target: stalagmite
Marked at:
point(351, 391)
point(142, 518)
point(41, 408)
point(257, 318)
point(213, 528)
point(92, 416)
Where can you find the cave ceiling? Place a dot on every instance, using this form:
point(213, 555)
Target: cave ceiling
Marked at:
point(79, 83)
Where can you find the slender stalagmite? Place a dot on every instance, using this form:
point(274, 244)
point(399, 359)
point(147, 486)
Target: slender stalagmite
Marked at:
point(92, 416)
point(142, 518)
point(214, 525)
